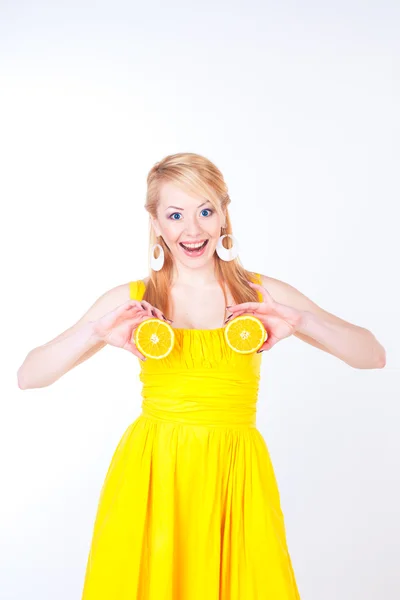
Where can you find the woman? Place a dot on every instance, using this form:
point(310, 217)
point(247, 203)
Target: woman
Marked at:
point(190, 507)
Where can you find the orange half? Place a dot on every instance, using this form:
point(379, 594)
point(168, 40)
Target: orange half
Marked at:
point(154, 338)
point(245, 334)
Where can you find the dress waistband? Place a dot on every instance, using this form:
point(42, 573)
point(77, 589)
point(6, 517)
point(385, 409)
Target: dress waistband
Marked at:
point(211, 412)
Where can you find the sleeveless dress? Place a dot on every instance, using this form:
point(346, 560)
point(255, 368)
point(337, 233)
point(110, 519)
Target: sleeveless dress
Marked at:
point(190, 508)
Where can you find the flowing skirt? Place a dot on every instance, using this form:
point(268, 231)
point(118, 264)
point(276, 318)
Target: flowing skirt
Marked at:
point(189, 512)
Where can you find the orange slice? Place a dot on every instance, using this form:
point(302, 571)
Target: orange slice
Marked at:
point(154, 338)
point(245, 334)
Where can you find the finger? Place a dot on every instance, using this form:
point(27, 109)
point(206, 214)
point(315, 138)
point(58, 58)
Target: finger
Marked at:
point(271, 341)
point(130, 307)
point(147, 307)
point(153, 311)
point(237, 314)
point(122, 312)
point(135, 312)
point(156, 312)
point(131, 347)
point(159, 314)
point(136, 352)
point(264, 292)
point(133, 304)
point(133, 315)
point(244, 306)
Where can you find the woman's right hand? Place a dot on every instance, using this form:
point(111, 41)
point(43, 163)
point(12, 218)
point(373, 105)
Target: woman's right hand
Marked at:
point(117, 327)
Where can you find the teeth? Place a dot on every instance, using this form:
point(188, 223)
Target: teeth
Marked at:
point(192, 245)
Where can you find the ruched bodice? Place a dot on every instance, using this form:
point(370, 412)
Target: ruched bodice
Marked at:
point(202, 381)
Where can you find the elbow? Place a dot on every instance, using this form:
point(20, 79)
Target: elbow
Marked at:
point(21, 385)
point(378, 352)
point(32, 384)
point(381, 355)
point(382, 360)
point(377, 362)
point(20, 381)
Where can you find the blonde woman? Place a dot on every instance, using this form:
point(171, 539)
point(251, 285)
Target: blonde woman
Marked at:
point(190, 508)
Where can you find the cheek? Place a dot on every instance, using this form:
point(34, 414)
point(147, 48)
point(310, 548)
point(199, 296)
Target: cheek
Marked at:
point(171, 231)
point(215, 230)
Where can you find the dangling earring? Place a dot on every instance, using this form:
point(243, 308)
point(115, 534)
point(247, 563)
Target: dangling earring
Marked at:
point(227, 254)
point(157, 263)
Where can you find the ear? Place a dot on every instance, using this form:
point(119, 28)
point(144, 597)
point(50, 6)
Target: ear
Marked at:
point(222, 216)
point(154, 224)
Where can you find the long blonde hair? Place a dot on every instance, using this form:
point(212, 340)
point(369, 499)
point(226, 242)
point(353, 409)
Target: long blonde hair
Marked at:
point(193, 173)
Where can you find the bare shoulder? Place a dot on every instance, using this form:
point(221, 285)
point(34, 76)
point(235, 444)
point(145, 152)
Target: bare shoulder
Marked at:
point(113, 297)
point(277, 288)
point(285, 293)
point(106, 302)
point(122, 292)
point(274, 286)
point(124, 289)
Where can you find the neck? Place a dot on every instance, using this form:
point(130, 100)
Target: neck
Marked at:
point(194, 277)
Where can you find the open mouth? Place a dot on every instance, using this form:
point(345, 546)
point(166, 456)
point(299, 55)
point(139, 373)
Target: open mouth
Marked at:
point(195, 249)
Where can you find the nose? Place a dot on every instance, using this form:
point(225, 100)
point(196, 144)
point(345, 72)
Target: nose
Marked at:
point(193, 228)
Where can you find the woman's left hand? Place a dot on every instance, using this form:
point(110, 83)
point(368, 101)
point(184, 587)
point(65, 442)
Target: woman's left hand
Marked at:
point(279, 320)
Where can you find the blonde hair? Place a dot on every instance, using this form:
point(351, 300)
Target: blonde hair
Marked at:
point(193, 173)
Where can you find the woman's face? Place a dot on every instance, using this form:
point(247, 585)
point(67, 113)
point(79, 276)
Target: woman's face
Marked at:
point(184, 220)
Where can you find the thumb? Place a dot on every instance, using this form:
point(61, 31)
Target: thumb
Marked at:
point(133, 349)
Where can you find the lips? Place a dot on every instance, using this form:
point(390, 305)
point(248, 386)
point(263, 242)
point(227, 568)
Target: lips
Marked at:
point(196, 252)
point(197, 249)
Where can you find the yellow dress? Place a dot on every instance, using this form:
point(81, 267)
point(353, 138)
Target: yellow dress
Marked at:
point(190, 508)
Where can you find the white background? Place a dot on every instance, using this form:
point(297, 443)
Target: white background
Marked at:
point(298, 105)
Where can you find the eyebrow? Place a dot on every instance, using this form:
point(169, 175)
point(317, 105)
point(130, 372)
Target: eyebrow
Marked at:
point(200, 205)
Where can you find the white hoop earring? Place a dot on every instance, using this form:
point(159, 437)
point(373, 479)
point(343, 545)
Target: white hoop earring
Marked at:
point(157, 263)
point(227, 253)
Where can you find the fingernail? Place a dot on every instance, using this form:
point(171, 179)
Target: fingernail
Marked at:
point(229, 306)
point(227, 319)
point(166, 319)
point(259, 351)
point(153, 312)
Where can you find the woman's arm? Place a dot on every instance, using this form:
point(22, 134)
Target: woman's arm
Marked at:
point(353, 344)
point(47, 363)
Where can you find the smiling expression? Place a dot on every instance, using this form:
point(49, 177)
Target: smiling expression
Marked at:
point(185, 222)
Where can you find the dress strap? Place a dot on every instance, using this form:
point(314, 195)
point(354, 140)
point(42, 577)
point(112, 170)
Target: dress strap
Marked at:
point(136, 289)
point(259, 281)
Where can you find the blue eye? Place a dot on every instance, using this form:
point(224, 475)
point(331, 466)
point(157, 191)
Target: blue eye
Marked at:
point(204, 210)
